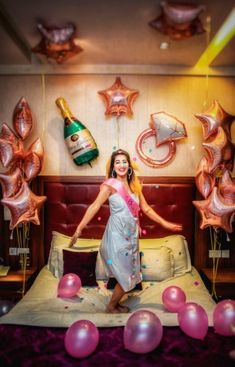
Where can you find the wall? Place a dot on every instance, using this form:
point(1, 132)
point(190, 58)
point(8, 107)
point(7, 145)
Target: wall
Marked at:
point(177, 95)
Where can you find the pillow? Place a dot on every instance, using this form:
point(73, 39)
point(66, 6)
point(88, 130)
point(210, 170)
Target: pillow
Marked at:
point(60, 242)
point(157, 264)
point(59, 239)
point(83, 264)
point(179, 247)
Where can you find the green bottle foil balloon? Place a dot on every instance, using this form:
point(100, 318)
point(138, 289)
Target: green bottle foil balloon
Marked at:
point(78, 138)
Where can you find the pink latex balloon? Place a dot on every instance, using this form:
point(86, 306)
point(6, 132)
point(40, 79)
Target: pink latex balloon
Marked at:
point(81, 339)
point(143, 332)
point(224, 317)
point(173, 298)
point(69, 285)
point(193, 320)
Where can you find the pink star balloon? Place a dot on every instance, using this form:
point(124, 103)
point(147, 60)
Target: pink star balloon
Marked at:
point(204, 180)
point(179, 20)
point(215, 211)
point(58, 43)
point(214, 118)
point(11, 182)
point(119, 98)
point(33, 160)
point(8, 134)
point(227, 187)
point(220, 151)
point(24, 206)
point(11, 153)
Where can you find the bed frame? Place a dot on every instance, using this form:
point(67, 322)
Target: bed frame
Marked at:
point(68, 198)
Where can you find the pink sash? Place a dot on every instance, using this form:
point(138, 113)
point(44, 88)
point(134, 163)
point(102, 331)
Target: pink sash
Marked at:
point(133, 206)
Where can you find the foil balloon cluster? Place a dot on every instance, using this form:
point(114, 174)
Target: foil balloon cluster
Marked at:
point(218, 207)
point(57, 43)
point(179, 20)
point(22, 166)
point(166, 129)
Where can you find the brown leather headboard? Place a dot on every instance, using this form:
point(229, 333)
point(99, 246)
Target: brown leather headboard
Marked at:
point(69, 197)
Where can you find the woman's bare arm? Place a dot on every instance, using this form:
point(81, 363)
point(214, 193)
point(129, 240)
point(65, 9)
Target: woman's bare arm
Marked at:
point(146, 208)
point(91, 212)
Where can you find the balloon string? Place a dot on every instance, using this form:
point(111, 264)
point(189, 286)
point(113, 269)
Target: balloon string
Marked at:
point(43, 103)
point(118, 131)
point(23, 244)
point(215, 261)
point(208, 32)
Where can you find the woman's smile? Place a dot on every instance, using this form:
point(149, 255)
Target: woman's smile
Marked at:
point(121, 165)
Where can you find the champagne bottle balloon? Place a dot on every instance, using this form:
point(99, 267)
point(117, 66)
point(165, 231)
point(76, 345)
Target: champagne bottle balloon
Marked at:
point(80, 143)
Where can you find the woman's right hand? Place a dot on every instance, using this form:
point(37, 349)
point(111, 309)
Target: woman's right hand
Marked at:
point(74, 238)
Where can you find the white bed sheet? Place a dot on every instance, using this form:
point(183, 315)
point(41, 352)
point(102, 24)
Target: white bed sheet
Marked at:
point(41, 306)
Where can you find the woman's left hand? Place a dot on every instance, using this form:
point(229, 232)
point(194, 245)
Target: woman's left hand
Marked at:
point(174, 227)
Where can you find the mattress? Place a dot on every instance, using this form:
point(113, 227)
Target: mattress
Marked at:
point(41, 305)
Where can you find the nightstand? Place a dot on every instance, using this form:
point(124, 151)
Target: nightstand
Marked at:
point(224, 282)
point(11, 285)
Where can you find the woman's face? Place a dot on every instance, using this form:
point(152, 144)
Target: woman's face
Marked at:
point(121, 165)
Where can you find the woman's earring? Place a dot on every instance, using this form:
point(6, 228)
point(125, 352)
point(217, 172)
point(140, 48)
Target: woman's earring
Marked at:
point(114, 175)
point(129, 172)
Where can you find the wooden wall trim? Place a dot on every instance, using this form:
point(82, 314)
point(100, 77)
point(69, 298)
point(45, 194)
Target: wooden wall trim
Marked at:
point(97, 179)
point(121, 69)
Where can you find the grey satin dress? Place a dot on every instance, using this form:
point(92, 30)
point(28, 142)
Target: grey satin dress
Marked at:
point(119, 248)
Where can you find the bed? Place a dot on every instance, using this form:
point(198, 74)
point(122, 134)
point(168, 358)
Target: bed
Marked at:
point(34, 329)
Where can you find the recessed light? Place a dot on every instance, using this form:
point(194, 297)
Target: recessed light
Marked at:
point(164, 45)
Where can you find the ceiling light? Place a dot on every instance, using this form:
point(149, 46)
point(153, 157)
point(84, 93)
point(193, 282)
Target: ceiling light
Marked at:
point(220, 40)
point(164, 45)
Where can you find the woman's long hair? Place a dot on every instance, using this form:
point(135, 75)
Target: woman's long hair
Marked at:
point(132, 179)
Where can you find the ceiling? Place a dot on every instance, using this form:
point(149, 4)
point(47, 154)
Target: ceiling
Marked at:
point(111, 32)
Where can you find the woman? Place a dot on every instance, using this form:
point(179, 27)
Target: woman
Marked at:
point(119, 247)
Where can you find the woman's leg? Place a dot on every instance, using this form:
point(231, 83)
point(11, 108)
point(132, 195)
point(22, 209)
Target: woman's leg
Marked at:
point(113, 305)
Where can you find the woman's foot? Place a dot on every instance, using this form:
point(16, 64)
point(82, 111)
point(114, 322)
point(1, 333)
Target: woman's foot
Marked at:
point(122, 308)
point(110, 309)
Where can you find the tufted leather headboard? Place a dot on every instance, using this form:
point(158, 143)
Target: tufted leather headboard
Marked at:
point(69, 197)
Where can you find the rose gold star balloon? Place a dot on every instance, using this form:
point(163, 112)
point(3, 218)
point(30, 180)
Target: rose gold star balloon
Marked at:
point(33, 160)
point(11, 148)
point(22, 119)
point(119, 98)
point(215, 211)
point(11, 182)
point(180, 13)
point(11, 153)
point(204, 180)
point(58, 43)
point(179, 20)
point(6, 152)
point(220, 151)
point(227, 187)
point(8, 134)
point(214, 118)
point(24, 206)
